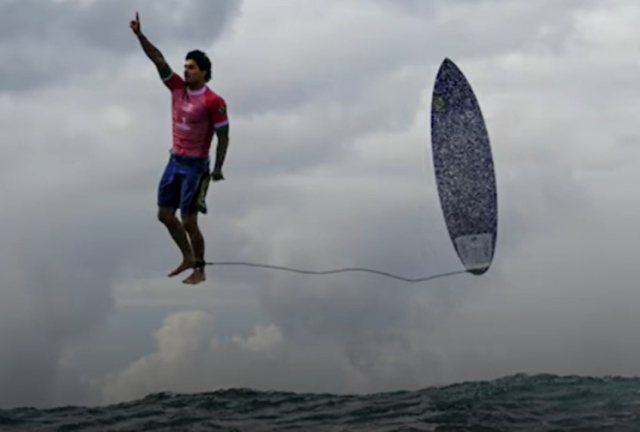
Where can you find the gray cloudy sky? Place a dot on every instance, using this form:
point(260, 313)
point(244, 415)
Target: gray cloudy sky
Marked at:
point(329, 166)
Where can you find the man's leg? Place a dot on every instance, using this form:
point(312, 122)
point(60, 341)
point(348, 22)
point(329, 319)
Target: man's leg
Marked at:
point(194, 192)
point(179, 234)
point(190, 223)
point(169, 191)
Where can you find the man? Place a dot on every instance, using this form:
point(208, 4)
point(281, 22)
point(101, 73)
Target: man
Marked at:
point(197, 114)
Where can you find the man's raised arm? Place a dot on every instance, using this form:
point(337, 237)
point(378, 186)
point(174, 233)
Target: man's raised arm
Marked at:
point(150, 50)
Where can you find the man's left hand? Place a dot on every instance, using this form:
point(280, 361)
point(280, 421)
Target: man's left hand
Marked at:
point(216, 175)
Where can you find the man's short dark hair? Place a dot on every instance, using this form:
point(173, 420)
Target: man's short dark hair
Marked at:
point(203, 62)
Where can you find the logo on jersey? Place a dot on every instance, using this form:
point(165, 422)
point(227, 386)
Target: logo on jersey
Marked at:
point(183, 124)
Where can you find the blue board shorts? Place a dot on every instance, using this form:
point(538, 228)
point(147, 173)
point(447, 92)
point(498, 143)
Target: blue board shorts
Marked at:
point(184, 184)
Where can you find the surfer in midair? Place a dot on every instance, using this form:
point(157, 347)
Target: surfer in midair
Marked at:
point(198, 113)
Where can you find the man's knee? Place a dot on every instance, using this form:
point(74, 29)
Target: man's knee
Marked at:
point(167, 216)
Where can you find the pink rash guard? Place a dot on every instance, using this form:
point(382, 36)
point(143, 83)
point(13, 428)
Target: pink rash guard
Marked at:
point(195, 117)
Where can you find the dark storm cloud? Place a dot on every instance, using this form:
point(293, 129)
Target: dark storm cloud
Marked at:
point(43, 42)
point(56, 288)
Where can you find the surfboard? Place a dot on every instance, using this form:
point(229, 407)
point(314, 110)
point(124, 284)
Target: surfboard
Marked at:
point(464, 169)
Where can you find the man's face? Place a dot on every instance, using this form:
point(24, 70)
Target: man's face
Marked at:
point(192, 74)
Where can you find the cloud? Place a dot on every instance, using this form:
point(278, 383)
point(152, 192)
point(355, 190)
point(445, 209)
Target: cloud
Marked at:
point(67, 39)
point(50, 297)
point(187, 349)
point(191, 357)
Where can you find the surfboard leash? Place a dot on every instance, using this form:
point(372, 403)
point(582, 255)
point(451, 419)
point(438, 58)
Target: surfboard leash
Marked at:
point(334, 271)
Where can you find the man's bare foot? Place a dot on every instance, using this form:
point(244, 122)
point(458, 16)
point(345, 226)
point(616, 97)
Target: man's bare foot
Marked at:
point(186, 264)
point(195, 278)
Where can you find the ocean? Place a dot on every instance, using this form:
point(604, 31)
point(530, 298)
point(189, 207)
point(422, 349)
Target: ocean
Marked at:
point(514, 403)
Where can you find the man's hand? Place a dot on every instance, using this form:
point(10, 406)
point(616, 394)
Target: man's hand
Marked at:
point(135, 25)
point(216, 175)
